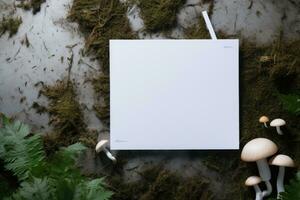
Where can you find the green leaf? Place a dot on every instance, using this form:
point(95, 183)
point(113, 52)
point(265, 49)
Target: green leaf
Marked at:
point(22, 154)
point(62, 163)
point(55, 178)
point(291, 102)
point(92, 190)
point(292, 191)
point(37, 189)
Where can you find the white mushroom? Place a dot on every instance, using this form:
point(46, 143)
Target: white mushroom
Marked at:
point(257, 150)
point(101, 146)
point(281, 161)
point(254, 181)
point(264, 119)
point(278, 123)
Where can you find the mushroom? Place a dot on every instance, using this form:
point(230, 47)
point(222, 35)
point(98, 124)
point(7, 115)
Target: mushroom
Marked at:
point(264, 119)
point(277, 123)
point(101, 146)
point(254, 181)
point(257, 150)
point(281, 161)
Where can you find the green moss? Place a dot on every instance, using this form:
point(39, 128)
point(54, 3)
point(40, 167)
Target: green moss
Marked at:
point(64, 109)
point(164, 187)
point(10, 25)
point(159, 15)
point(101, 87)
point(35, 5)
point(197, 31)
point(160, 184)
point(285, 68)
point(100, 25)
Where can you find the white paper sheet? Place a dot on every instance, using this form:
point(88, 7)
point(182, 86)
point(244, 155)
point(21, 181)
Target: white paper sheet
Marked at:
point(174, 94)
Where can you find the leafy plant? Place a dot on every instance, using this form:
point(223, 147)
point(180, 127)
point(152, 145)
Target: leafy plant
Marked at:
point(291, 102)
point(292, 191)
point(41, 178)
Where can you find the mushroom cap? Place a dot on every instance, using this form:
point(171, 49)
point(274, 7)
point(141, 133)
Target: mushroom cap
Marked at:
point(101, 145)
point(258, 149)
point(263, 119)
point(282, 160)
point(277, 122)
point(252, 180)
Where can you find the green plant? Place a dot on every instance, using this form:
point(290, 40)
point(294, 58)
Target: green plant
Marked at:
point(291, 102)
point(10, 25)
point(159, 15)
point(292, 191)
point(41, 177)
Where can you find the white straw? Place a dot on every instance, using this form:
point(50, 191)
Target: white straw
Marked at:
point(209, 26)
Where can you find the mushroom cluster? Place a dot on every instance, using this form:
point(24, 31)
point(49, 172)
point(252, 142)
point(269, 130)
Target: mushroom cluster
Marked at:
point(274, 123)
point(259, 150)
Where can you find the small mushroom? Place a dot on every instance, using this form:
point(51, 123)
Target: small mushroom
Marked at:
point(254, 181)
point(101, 146)
point(264, 119)
point(277, 123)
point(257, 150)
point(281, 161)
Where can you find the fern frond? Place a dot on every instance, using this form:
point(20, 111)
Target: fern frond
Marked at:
point(92, 190)
point(55, 178)
point(37, 189)
point(22, 154)
point(62, 163)
point(292, 191)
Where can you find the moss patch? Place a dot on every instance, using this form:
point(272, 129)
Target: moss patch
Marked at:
point(64, 109)
point(35, 5)
point(10, 25)
point(101, 20)
point(159, 15)
point(197, 31)
point(66, 116)
point(101, 87)
point(158, 183)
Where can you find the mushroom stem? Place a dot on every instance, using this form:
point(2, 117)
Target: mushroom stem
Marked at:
point(263, 169)
point(265, 174)
point(279, 130)
point(109, 155)
point(280, 179)
point(265, 124)
point(258, 192)
point(268, 191)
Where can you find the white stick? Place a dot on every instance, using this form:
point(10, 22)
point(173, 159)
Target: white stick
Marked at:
point(209, 26)
point(280, 179)
point(268, 191)
point(258, 192)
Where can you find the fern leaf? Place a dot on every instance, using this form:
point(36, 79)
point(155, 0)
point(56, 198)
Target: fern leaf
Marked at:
point(22, 154)
point(292, 191)
point(62, 163)
point(37, 189)
point(92, 190)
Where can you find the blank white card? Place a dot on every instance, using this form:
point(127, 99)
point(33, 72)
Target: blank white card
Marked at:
point(174, 94)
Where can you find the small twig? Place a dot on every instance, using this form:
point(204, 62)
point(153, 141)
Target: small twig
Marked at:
point(45, 46)
point(16, 54)
point(70, 68)
point(90, 66)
